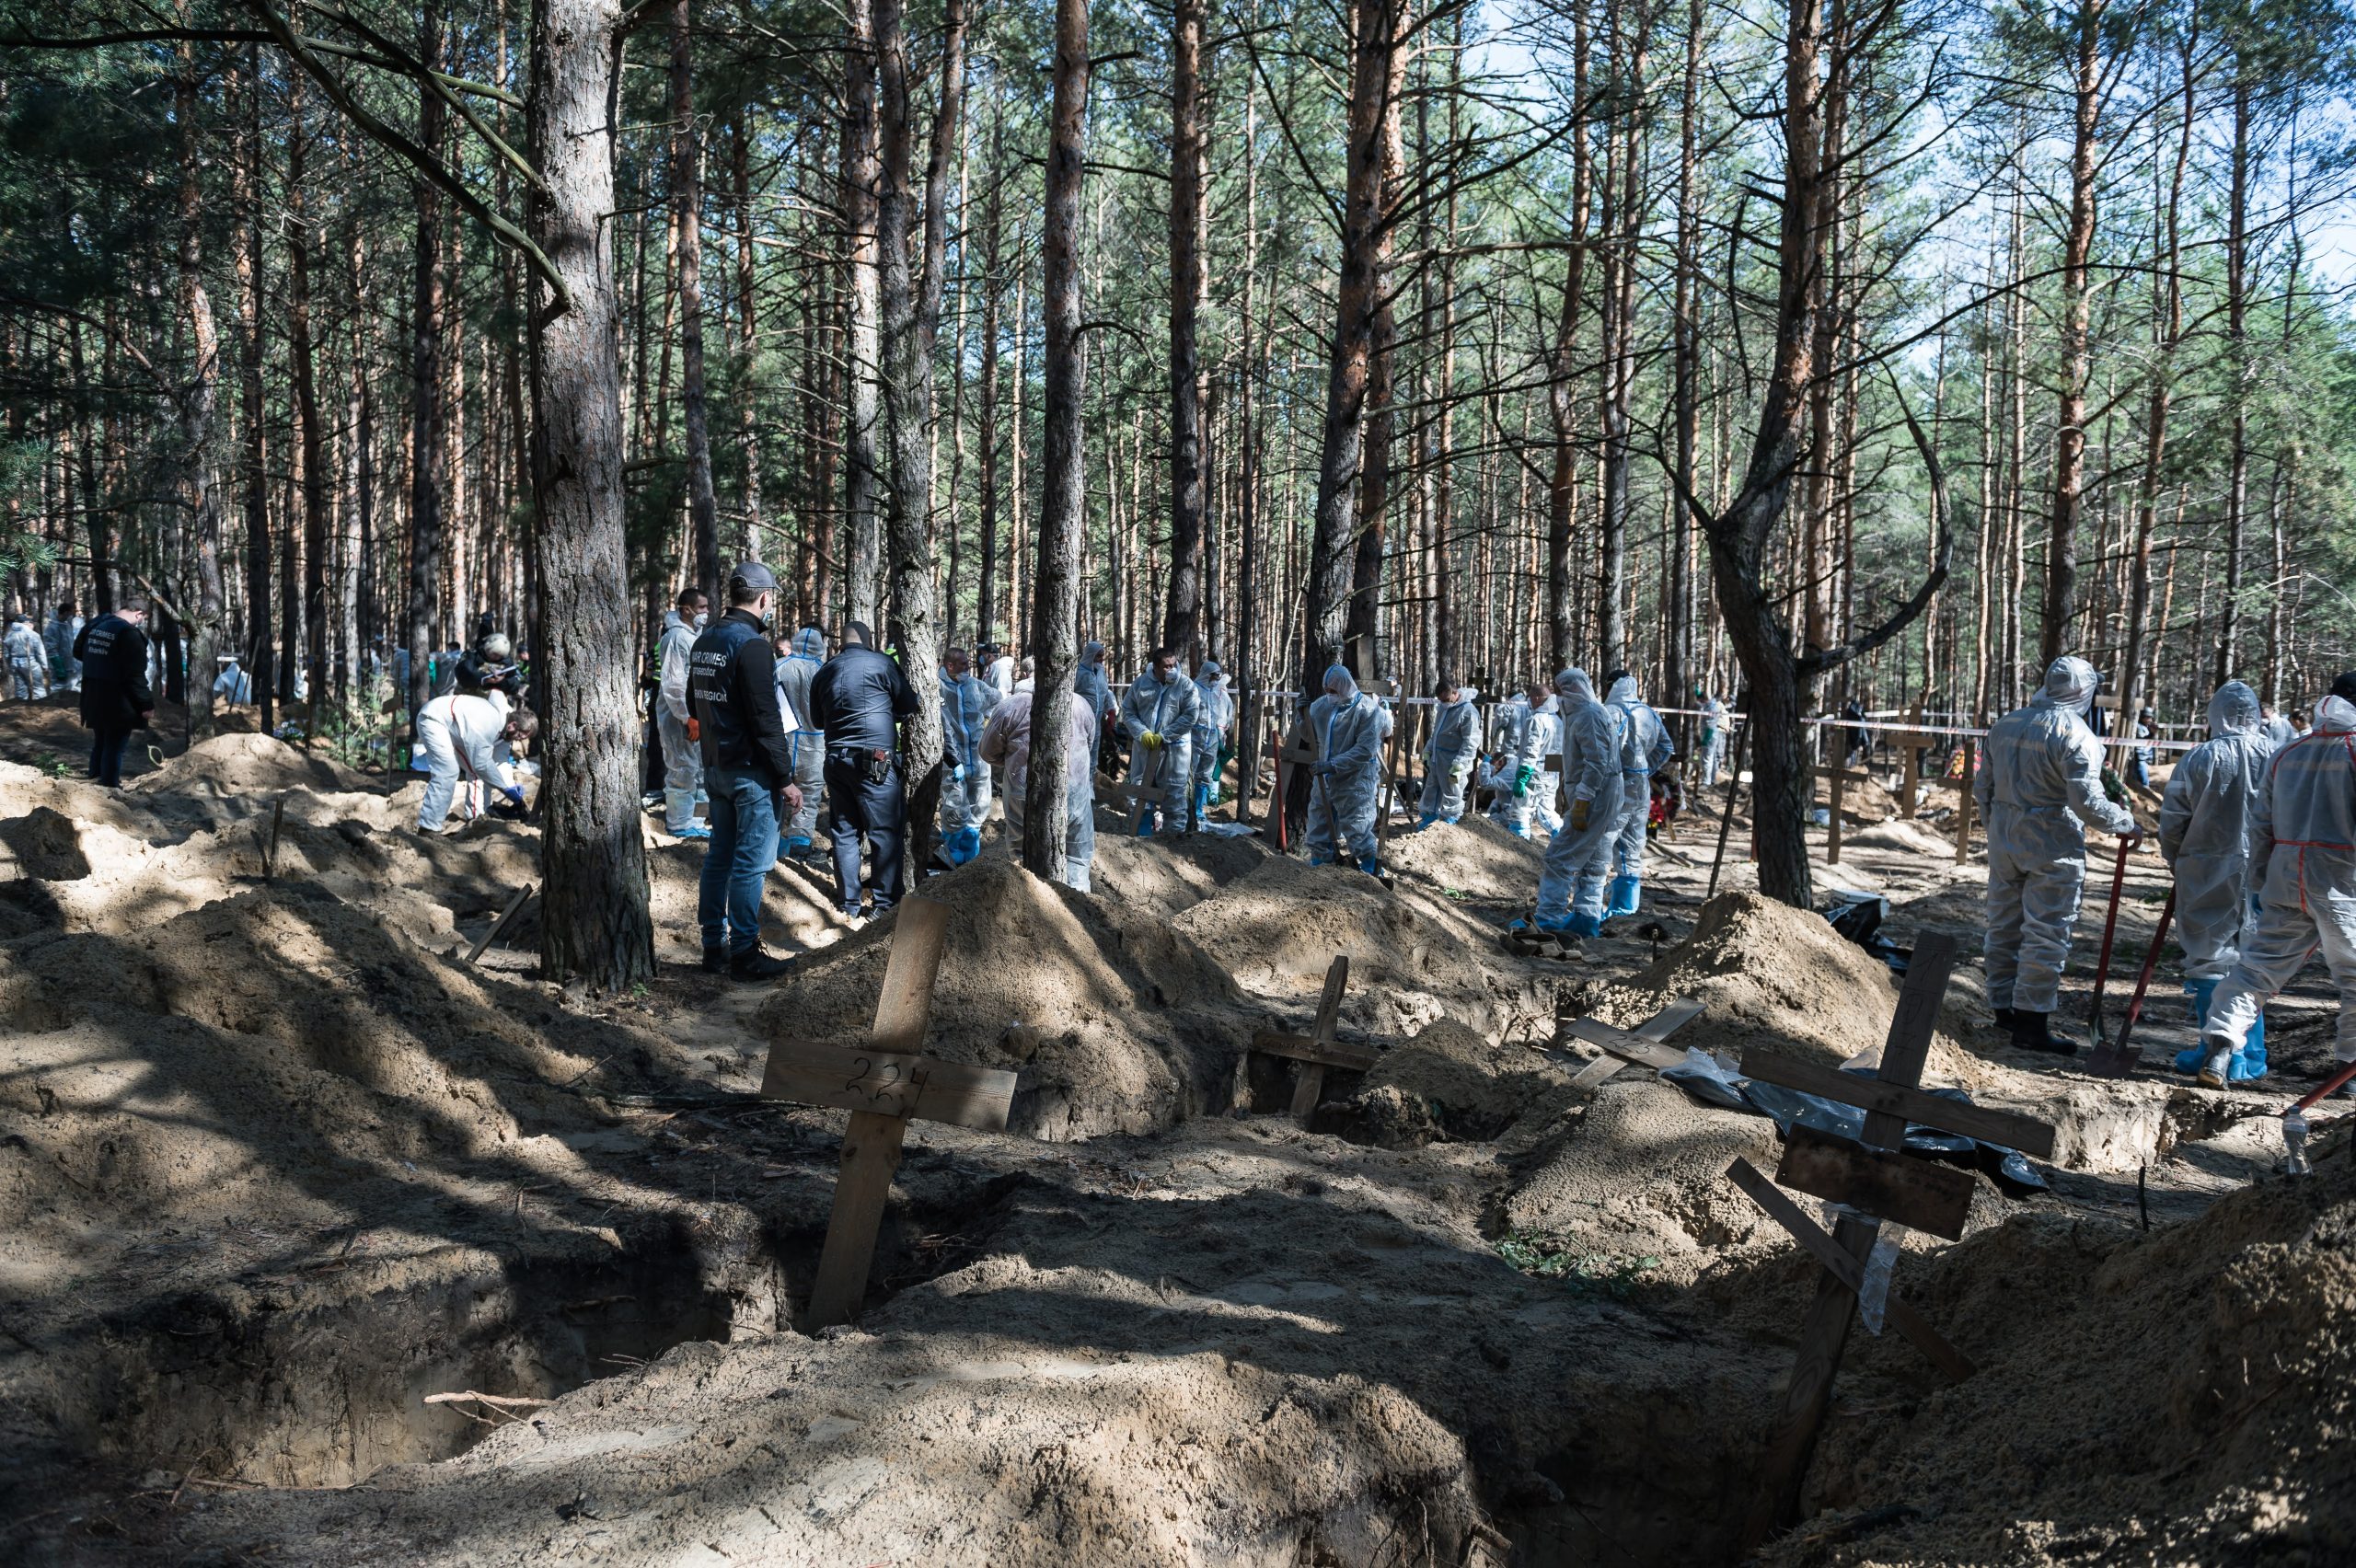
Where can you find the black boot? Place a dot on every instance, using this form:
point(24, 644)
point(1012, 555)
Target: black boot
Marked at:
point(2005, 1017)
point(2034, 1032)
point(755, 965)
point(715, 959)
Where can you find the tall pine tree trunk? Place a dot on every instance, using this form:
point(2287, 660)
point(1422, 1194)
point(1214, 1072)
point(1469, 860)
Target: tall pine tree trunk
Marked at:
point(1181, 623)
point(862, 568)
point(426, 423)
point(687, 210)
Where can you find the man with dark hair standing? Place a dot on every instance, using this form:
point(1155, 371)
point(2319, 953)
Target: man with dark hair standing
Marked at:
point(732, 687)
point(859, 699)
point(112, 652)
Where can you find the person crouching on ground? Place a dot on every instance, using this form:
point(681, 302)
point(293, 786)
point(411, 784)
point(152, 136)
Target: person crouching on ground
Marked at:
point(460, 736)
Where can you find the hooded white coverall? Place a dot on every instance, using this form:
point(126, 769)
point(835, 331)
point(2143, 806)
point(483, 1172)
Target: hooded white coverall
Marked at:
point(1171, 709)
point(1714, 740)
point(2043, 781)
point(2205, 834)
point(1097, 692)
point(1543, 739)
point(2304, 831)
point(1449, 756)
point(1348, 727)
point(454, 729)
point(1510, 808)
point(1570, 890)
point(965, 705)
point(806, 746)
point(28, 662)
point(1216, 717)
point(682, 758)
point(1006, 742)
point(1645, 746)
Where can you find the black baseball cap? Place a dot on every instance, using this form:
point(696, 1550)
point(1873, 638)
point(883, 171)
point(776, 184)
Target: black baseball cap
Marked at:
point(751, 577)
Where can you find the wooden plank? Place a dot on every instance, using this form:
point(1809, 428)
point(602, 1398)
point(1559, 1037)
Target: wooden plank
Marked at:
point(1309, 1085)
point(1597, 1073)
point(1848, 1271)
point(1346, 1055)
point(500, 925)
point(269, 854)
point(1623, 1043)
point(1906, 1188)
point(1669, 1021)
point(1963, 803)
point(919, 931)
point(2006, 1129)
point(889, 1083)
point(870, 1157)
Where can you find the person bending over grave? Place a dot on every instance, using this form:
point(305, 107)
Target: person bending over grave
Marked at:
point(1448, 755)
point(1570, 890)
point(1159, 717)
point(747, 772)
point(460, 735)
point(1006, 745)
point(858, 699)
point(2304, 831)
point(2042, 785)
point(1348, 727)
point(1644, 749)
point(1508, 794)
point(965, 704)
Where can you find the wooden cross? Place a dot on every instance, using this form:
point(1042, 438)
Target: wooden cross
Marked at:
point(1911, 742)
point(884, 1084)
point(500, 925)
point(1832, 822)
point(270, 850)
point(1295, 749)
point(1643, 1044)
point(1963, 803)
point(1878, 1181)
point(1318, 1050)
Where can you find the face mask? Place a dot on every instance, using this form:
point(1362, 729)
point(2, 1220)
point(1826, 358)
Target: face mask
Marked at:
point(701, 617)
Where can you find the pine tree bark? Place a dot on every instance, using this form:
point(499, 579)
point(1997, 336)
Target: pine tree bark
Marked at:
point(198, 399)
point(1063, 508)
point(260, 664)
point(426, 423)
point(686, 216)
point(310, 435)
point(1181, 622)
point(1562, 486)
point(2077, 250)
point(595, 926)
point(862, 570)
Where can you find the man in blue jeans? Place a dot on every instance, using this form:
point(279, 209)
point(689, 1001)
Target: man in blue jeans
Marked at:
point(732, 688)
point(116, 699)
point(858, 699)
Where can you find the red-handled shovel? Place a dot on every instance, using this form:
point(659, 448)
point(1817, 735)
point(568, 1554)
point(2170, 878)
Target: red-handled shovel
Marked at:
point(2115, 1058)
point(2109, 928)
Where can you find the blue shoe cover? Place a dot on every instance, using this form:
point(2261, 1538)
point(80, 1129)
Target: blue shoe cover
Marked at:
point(1426, 822)
point(1581, 926)
point(1202, 802)
point(796, 844)
point(1625, 892)
point(1317, 860)
point(963, 844)
point(1369, 868)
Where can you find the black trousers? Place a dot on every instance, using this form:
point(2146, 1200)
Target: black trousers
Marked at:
point(858, 808)
point(107, 748)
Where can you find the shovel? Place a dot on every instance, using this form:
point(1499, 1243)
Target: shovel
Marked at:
point(2113, 1059)
point(2294, 1121)
point(2110, 928)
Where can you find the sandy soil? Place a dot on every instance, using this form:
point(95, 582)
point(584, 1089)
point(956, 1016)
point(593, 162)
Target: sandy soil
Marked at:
point(278, 1166)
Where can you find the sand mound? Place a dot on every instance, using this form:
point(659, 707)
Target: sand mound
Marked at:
point(246, 764)
point(2181, 1396)
point(1448, 1082)
point(1474, 858)
point(1171, 872)
point(1780, 979)
point(1898, 832)
point(1137, 1026)
point(1867, 803)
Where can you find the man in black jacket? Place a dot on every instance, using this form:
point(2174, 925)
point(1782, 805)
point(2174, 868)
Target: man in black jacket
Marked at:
point(859, 699)
point(116, 699)
point(732, 688)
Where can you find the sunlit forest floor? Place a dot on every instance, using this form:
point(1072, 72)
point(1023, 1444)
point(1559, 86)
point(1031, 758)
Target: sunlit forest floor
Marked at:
point(279, 1166)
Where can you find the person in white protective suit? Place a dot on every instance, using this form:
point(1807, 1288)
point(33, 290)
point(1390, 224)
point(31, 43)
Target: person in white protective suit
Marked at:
point(1644, 749)
point(1448, 755)
point(1714, 740)
point(1216, 718)
point(1507, 795)
point(682, 757)
point(2205, 833)
point(2041, 788)
point(965, 704)
point(460, 733)
point(1006, 744)
point(1089, 680)
point(805, 743)
point(27, 660)
point(1348, 727)
point(1570, 890)
point(1539, 742)
point(1159, 716)
point(2303, 832)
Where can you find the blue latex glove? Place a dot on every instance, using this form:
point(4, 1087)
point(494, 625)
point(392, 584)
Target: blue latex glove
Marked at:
point(514, 793)
point(957, 774)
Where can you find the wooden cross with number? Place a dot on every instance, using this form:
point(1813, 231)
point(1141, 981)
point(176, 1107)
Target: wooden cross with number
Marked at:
point(1641, 1045)
point(1876, 1181)
point(1297, 751)
point(884, 1084)
point(1318, 1050)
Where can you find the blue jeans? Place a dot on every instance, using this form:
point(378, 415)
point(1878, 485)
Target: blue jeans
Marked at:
point(737, 860)
point(106, 755)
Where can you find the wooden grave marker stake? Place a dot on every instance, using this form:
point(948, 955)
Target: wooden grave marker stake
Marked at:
point(1318, 1050)
point(1875, 1179)
point(884, 1084)
point(1832, 820)
point(514, 903)
point(1295, 749)
point(1911, 742)
point(1963, 802)
point(270, 852)
point(1401, 731)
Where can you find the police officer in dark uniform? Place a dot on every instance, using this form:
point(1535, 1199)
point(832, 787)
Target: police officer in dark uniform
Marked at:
point(858, 699)
point(116, 698)
point(732, 687)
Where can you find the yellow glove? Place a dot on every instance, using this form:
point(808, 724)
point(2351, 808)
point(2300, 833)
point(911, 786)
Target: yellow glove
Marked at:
point(1151, 739)
point(1580, 812)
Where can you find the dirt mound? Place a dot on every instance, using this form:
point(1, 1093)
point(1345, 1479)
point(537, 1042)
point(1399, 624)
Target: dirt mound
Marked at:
point(249, 764)
point(1414, 956)
point(1867, 802)
point(1900, 834)
point(1473, 858)
point(1172, 872)
point(1448, 1082)
point(2178, 1396)
point(1135, 1027)
point(1780, 979)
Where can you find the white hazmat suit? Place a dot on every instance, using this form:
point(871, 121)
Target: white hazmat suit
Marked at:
point(2304, 831)
point(965, 705)
point(682, 758)
point(1645, 746)
point(1348, 727)
point(2040, 789)
point(459, 731)
point(1449, 756)
point(1509, 798)
point(1216, 718)
point(804, 746)
point(1570, 890)
point(2205, 821)
point(1158, 718)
